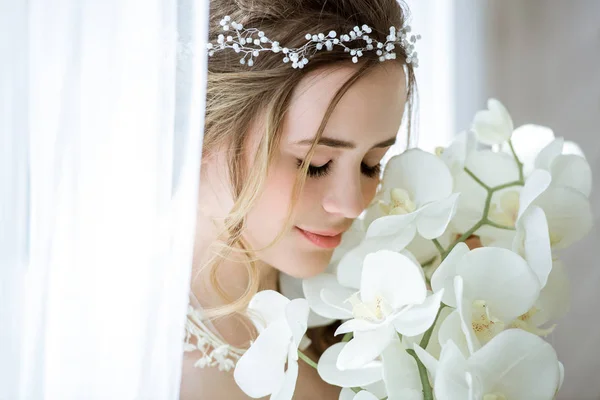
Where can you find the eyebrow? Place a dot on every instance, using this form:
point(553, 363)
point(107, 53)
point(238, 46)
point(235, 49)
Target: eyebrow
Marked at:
point(343, 144)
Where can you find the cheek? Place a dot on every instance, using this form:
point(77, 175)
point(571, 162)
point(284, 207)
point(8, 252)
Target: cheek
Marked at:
point(369, 189)
point(269, 213)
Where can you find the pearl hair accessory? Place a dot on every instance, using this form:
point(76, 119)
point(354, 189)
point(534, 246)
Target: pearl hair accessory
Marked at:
point(251, 42)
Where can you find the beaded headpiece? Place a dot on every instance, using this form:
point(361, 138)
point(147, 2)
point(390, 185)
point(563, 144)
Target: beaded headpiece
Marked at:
point(250, 42)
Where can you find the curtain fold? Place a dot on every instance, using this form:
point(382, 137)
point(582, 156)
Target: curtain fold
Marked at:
point(101, 115)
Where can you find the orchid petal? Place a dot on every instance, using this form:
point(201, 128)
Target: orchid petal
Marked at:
point(549, 153)
point(493, 169)
point(501, 278)
point(457, 153)
point(260, 370)
point(572, 171)
point(365, 395)
point(360, 377)
point(418, 318)
point(443, 277)
point(569, 215)
point(533, 242)
point(429, 361)
point(451, 329)
point(266, 307)
point(400, 373)
point(494, 125)
point(350, 267)
point(528, 140)
point(288, 386)
point(296, 314)
point(536, 184)
point(364, 348)
point(389, 225)
point(450, 382)
point(356, 325)
point(514, 359)
point(433, 218)
point(326, 296)
point(412, 171)
point(350, 239)
point(291, 288)
point(554, 298)
point(394, 277)
point(465, 312)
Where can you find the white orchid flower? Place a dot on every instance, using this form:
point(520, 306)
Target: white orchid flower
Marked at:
point(493, 169)
point(494, 125)
point(537, 147)
point(396, 369)
point(455, 156)
point(363, 376)
point(281, 324)
point(392, 299)
point(417, 197)
point(567, 210)
point(400, 373)
point(327, 297)
point(514, 365)
point(294, 288)
point(489, 287)
point(567, 170)
point(291, 288)
point(552, 304)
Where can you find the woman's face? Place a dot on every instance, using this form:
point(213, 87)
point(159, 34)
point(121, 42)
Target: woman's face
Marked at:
point(344, 171)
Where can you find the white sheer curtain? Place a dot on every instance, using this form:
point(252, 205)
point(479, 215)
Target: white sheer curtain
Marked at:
point(100, 138)
point(433, 20)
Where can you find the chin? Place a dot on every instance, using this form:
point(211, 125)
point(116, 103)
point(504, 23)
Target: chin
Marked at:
point(303, 264)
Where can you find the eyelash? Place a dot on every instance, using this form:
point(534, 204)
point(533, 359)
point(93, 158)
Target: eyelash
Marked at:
point(317, 172)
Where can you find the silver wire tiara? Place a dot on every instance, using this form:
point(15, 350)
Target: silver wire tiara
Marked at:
point(250, 42)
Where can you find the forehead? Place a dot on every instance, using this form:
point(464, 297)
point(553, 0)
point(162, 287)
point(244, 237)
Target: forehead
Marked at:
point(369, 112)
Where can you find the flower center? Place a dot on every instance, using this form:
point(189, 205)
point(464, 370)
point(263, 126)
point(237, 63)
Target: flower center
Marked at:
point(527, 324)
point(400, 203)
point(494, 396)
point(506, 211)
point(373, 311)
point(484, 325)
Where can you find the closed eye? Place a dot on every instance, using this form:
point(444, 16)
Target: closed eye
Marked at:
point(371, 172)
point(316, 172)
point(323, 170)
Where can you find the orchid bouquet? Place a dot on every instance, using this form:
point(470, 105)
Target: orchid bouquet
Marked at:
point(424, 315)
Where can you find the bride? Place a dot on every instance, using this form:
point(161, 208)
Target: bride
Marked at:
point(291, 157)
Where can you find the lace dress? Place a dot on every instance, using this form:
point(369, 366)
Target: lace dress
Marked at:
point(201, 335)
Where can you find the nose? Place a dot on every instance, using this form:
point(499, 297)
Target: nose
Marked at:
point(345, 198)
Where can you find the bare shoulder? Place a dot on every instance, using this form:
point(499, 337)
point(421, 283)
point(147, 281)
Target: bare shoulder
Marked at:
point(210, 383)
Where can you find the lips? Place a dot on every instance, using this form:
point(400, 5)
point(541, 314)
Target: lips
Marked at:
point(323, 239)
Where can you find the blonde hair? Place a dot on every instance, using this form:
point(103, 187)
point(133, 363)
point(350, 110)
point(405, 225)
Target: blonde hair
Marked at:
point(236, 94)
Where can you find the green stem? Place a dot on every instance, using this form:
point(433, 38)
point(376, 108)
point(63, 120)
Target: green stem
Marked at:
point(519, 163)
point(347, 337)
point(429, 262)
point(476, 179)
point(438, 246)
point(495, 225)
point(427, 391)
point(427, 336)
point(307, 360)
point(507, 185)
